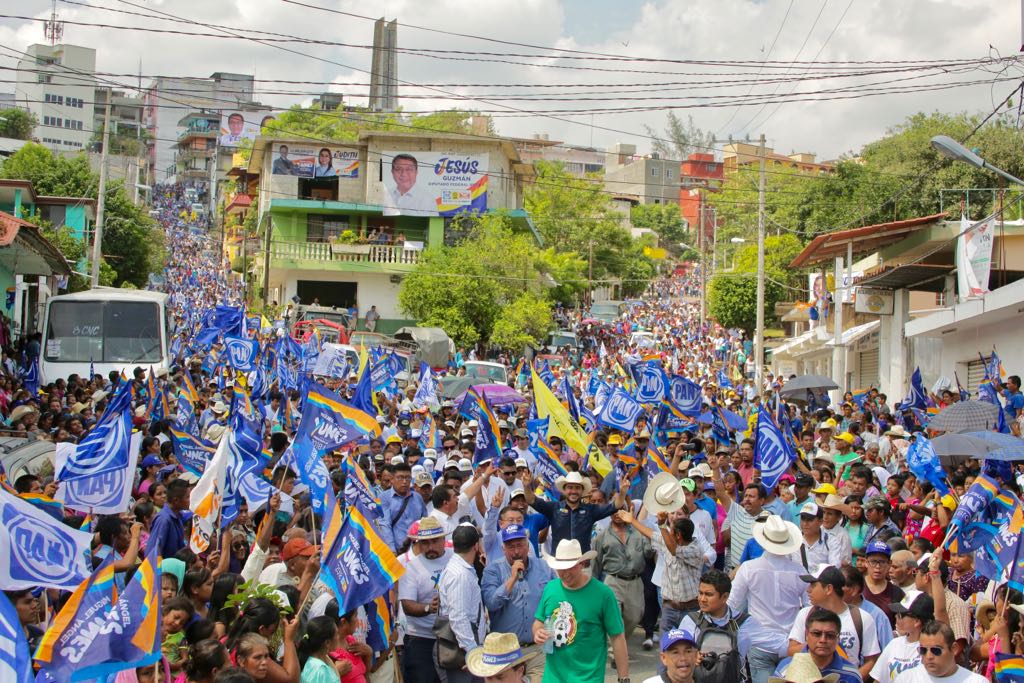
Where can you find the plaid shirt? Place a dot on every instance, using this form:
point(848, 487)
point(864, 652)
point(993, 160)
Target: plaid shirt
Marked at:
point(682, 570)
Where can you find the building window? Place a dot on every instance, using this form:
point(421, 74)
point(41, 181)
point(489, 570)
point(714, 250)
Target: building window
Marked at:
point(654, 171)
point(668, 174)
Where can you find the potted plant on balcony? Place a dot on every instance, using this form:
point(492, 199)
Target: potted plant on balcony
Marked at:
point(348, 242)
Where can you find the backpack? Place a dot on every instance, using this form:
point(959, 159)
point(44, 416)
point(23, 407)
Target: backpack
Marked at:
point(720, 653)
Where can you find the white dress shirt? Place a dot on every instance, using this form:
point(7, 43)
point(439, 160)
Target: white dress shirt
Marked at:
point(771, 591)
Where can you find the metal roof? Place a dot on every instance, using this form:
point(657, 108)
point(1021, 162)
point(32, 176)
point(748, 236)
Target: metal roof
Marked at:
point(920, 277)
point(865, 240)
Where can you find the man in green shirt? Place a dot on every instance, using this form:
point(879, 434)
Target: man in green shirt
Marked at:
point(578, 615)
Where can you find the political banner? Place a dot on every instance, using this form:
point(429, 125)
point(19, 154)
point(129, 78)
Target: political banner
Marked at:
point(973, 257)
point(191, 452)
point(620, 411)
point(241, 353)
point(36, 550)
point(105, 492)
point(772, 455)
point(357, 564)
point(306, 161)
point(332, 362)
point(651, 382)
point(684, 395)
point(432, 183)
point(328, 422)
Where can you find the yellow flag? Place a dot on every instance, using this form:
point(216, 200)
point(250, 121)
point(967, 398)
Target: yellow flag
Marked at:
point(561, 424)
point(364, 359)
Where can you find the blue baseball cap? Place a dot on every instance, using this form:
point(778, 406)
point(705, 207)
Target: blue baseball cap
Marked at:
point(877, 548)
point(150, 461)
point(677, 635)
point(512, 532)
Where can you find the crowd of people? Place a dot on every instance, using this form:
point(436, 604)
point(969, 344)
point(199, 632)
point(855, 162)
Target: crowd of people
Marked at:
point(838, 571)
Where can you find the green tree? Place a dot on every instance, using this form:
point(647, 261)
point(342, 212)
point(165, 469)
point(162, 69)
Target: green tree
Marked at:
point(467, 288)
point(732, 300)
point(524, 321)
point(344, 126)
point(681, 138)
point(131, 238)
point(779, 252)
point(17, 124)
point(663, 219)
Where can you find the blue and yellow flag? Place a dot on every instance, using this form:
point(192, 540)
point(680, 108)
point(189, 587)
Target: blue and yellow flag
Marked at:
point(381, 618)
point(358, 565)
point(15, 658)
point(71, 644)
point(488, 434)
point(1009, 668)
point(328, 422)
point(656, 463)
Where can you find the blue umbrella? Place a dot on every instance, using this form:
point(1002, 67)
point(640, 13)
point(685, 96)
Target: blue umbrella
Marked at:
point(1008, 447)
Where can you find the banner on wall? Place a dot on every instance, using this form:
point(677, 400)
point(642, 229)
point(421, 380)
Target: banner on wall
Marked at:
point(315, 162)
point(433, 183)
point(973, 258)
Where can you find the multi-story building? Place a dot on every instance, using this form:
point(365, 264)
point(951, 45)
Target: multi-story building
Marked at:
point(737, 155)
point(699, 175)
point(196, 148)
point(336, 229)
point(576, 159)
point(56, 83)
point(651, 179)
point(168, 100)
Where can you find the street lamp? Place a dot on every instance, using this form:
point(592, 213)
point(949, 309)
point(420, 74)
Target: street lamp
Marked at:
point(735, 240)
point(951, 149)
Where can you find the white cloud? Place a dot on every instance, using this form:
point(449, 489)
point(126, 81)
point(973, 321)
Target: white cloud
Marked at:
point(667, 29)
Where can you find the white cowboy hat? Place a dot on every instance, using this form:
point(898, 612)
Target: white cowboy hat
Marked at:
point(777, 536)
point(500, 652)
point(802, 669)
point(896, 430)
point(573, 478)
point(219, 407)
point(568, 554)
point(664, 494)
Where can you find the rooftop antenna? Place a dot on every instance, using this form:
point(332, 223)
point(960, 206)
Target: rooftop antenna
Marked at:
point(53, 28)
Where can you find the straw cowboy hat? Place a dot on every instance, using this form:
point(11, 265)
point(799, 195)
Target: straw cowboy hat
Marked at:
point(834, 501)
point(777, 536)
point(664, 494)
point(428, 528)
point(500, 652)
point(802, 669)
point(568, 554)
point(573, 478)
point(20, 412)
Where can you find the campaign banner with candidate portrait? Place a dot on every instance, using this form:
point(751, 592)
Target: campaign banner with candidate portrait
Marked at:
point(236, 126)
point(423, 183)
point(308, 161)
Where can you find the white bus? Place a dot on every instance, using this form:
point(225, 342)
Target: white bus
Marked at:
point(113, 329)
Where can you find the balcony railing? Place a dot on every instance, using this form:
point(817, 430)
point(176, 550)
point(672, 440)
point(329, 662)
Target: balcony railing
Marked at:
point(345, 253)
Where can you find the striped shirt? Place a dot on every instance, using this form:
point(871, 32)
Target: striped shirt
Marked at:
point(682, 570)
point(741, 526)
point(462, 602)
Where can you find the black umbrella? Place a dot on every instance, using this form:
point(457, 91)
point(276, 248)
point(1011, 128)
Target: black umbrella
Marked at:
point(452, 387)
point(801, 385)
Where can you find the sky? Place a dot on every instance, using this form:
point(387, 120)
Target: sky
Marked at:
point(772, 39)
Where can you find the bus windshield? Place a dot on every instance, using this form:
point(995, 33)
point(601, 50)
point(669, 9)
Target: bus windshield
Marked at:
point(103, 332)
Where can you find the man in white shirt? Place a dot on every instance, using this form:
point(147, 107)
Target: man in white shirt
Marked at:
point(834, 509)
point(405, 199)
point(938, 660)
point(770, 590)
point(461, 599)
point(295, 566)
point(819, 547)
point(858, 639)
point(901, 654)
point(418, 598)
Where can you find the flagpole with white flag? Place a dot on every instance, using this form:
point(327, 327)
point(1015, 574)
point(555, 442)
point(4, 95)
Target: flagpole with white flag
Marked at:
point(207, 497)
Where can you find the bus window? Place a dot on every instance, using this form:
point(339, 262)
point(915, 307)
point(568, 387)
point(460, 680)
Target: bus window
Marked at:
point(103, 332)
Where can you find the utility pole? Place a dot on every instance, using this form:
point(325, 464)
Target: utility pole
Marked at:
point(703, 260)
point(590, 273)
point(101, 200)
point(759, 332)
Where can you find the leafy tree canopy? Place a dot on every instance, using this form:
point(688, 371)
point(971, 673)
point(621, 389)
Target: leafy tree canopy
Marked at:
point(130, 238)
point(17, 124)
